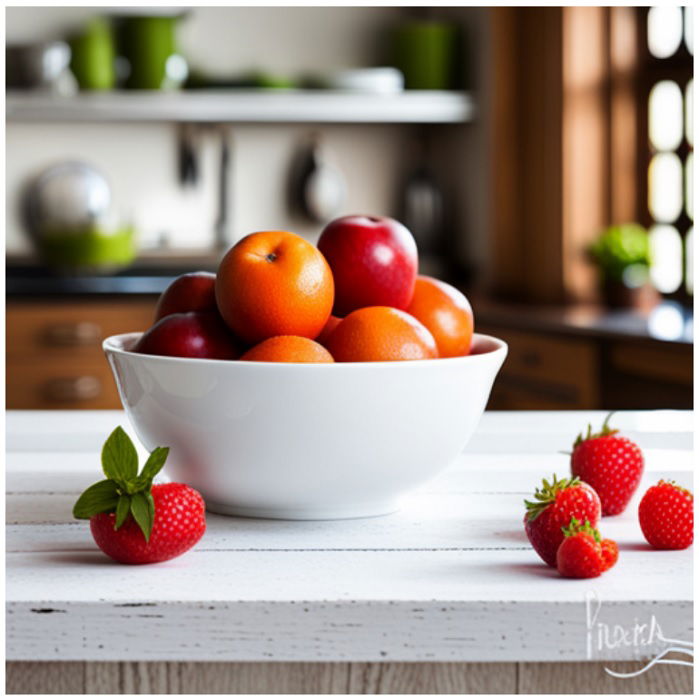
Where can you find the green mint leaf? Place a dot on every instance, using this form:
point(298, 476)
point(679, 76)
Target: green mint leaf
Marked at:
point(155, 462)
point(143, 511)
point(135, 485)
point(119, 457)
point(101, 497)
point(122, 510)
point(151, 504)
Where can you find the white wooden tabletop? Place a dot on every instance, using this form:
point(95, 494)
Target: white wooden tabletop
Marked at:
point(451, 577)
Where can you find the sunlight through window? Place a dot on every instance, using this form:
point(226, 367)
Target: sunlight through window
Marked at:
point(665, 115)
point(664, 31)
point(665, 187)
point(666, 256)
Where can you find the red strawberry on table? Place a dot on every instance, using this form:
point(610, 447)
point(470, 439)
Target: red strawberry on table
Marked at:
point(133, 521)
point(583, 553)
point(666, 515)
point(610, 463)
point(552, 509)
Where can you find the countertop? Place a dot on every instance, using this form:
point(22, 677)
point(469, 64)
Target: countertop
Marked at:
point(25, 278)
point(667, 322)
point(450, 577)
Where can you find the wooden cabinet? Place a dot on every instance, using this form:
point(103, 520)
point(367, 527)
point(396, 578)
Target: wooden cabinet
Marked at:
point(545, 371)
point(562, 370)
point(54, 350)
point(55, 360)
point(647, 375)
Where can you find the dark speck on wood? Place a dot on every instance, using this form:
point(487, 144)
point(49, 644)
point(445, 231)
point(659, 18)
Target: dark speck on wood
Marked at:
point(135, 605)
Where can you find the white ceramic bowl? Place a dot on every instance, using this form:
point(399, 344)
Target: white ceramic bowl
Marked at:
point(304, 441)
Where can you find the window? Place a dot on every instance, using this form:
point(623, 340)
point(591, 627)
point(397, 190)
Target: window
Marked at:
point(667, 88)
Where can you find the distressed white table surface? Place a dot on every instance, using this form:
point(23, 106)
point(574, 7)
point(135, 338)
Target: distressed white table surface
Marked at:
point(449, 578)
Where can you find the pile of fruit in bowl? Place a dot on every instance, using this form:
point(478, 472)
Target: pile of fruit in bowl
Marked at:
point(308, 382)
point(277, 298)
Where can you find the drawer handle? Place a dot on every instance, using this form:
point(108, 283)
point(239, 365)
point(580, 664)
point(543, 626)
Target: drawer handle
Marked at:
point(530, 358)
point(73, 388)
point(72, 334)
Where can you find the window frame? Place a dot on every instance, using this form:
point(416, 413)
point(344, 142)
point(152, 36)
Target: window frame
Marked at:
point(651, 70)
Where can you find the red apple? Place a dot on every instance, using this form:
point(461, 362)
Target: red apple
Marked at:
point(191, 292)
point(193, 334)
point(373, 260)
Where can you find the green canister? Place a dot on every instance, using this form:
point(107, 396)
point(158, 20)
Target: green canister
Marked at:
point(92, 56)
point(148, 43)
point(427, 53)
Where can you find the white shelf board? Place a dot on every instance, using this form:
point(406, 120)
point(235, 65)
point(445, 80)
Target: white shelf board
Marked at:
point(244, 106)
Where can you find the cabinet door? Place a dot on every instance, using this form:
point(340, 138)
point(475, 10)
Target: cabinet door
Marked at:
point(54, 351)
point(647, 375)
point(545, 372)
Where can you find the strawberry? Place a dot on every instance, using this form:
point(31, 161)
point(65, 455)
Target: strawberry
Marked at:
point(133, 521)
point(610, 553)
point(610, 463)
point(554, 505)
point(583, 553)
point(666, 515)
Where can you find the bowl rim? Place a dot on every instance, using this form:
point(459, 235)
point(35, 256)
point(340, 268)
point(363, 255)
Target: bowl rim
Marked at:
point(110, 345)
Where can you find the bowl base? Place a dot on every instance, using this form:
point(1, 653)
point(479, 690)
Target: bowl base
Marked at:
point(362, 510)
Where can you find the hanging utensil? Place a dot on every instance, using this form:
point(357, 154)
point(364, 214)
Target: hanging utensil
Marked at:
point(188, 161)
point(222, 218)
point(318, 189)
point(423, 209)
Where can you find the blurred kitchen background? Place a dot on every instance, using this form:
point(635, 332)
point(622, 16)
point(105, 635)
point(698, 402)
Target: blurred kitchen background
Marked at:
point(543, 158)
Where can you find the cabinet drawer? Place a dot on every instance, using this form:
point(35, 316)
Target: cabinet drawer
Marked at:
point(670, 363)
point(44, 331)
point(548, 371)
point(510, 395)
point(64, 385)
point(54, 351)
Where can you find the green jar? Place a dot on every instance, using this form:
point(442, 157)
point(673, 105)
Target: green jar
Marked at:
point(148, 43)
point(92, 56)
point(427, 53)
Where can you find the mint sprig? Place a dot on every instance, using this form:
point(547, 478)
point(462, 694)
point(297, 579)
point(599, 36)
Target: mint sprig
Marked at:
point(124, 491)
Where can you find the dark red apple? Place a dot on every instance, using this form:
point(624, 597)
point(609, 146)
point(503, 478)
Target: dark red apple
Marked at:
point(191, 292)
point(193, 334)
point(373, 260)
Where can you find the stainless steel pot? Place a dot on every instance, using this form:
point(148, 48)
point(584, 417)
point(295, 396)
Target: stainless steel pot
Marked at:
point(36, 65)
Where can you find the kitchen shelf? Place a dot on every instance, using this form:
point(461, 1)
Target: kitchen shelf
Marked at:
point(245, 106)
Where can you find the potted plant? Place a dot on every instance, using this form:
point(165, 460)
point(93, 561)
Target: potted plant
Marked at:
point(622, 255)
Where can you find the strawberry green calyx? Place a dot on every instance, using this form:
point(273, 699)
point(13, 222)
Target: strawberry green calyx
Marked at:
point(605, 432)
point(124, 491)
point(676, 486)
point(546, 495)
point(575, 527)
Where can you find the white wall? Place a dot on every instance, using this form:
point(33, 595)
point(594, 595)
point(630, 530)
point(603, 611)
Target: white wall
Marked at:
point(140, 160)
point(140, 164)
point(219, 39)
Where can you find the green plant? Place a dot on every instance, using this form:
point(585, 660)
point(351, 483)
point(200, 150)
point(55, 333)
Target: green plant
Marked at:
point(623, 254)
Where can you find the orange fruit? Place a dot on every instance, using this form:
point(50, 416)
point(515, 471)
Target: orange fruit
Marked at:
point(274, 283)
point(380, 334)
point(288, 348)
point(329, 327)
point(446, 313)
